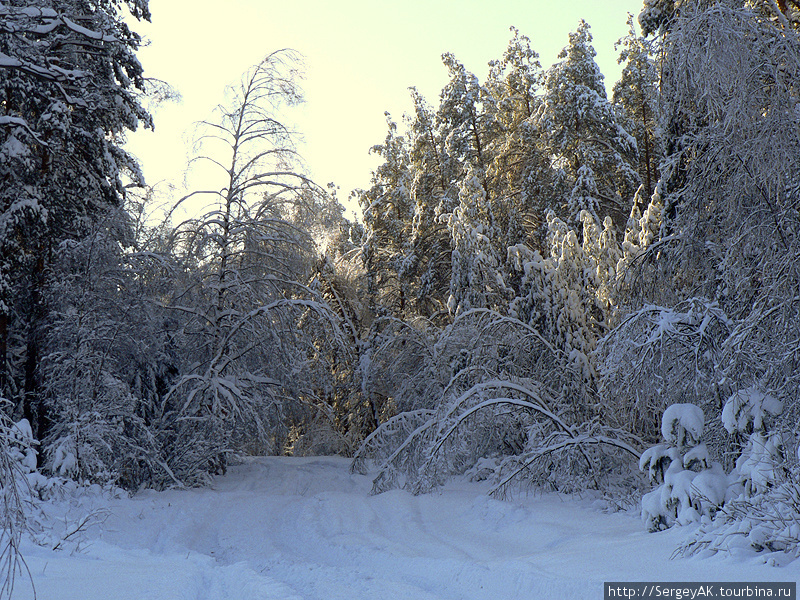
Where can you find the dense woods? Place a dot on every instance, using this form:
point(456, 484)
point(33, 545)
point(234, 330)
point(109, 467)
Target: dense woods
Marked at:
point(550, 287)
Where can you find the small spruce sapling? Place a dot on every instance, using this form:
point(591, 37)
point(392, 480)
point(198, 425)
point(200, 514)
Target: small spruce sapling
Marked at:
point(750, 412)
point(690, 484)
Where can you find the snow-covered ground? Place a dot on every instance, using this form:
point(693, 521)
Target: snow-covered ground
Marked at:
point(305, 528)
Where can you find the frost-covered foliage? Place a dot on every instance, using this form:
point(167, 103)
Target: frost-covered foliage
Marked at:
point(691, 485)
point(658, 356)
point(569, 296)
point(498, 401)
point(476, 281)
point(258, 337)
point(762, 512)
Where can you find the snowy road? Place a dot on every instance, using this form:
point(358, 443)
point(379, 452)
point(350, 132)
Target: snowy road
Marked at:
point(292, 528)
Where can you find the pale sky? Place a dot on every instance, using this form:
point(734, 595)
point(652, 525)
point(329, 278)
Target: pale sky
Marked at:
point(361, 58)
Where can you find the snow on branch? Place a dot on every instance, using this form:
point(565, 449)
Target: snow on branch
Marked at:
point(490, 388)
point(29, 20)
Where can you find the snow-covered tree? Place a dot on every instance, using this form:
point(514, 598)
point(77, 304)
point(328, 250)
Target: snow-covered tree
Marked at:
point(514, 81)
point(476, 281)
point(435, 193)
point(109, 355)
point(247, 311)
point(388, 211)
point(582, 134)
point(584, 195)
point(348, 411)
point(690, 483)
point(636, 98)
point(761, 510)
point(567, 294)
point(465, 120)
point(69, 85)
point(69, 90)
point(519, 176)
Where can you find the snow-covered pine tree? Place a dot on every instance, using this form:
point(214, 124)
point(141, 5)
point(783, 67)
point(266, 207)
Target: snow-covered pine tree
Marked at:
point(519, 175)
point(465, 121)
point(388, 212)
point(584, 195)
point(635, 96)
point(476, 281)
point(691, 485)
point(580, 129)
point(514, 82)
point(569, 294)
point(434, 194)
point(68, 92)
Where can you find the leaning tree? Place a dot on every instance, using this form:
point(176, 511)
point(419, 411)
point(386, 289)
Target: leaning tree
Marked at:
point(248, 314)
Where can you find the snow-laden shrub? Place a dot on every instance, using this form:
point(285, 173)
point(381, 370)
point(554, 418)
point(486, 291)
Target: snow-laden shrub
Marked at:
point(22, 446)
point(497, 394)
point(658, 356)
point(94, 441)
point(750, 412)
point(48, 510)
point(764, 515)
point(768, 522)
point(690, 484)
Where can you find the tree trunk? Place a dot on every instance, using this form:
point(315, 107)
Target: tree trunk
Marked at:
point(4, 376)
point(647, 159)
point(33, 408)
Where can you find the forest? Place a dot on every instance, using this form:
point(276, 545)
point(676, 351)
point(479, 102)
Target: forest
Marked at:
point(552, 287)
